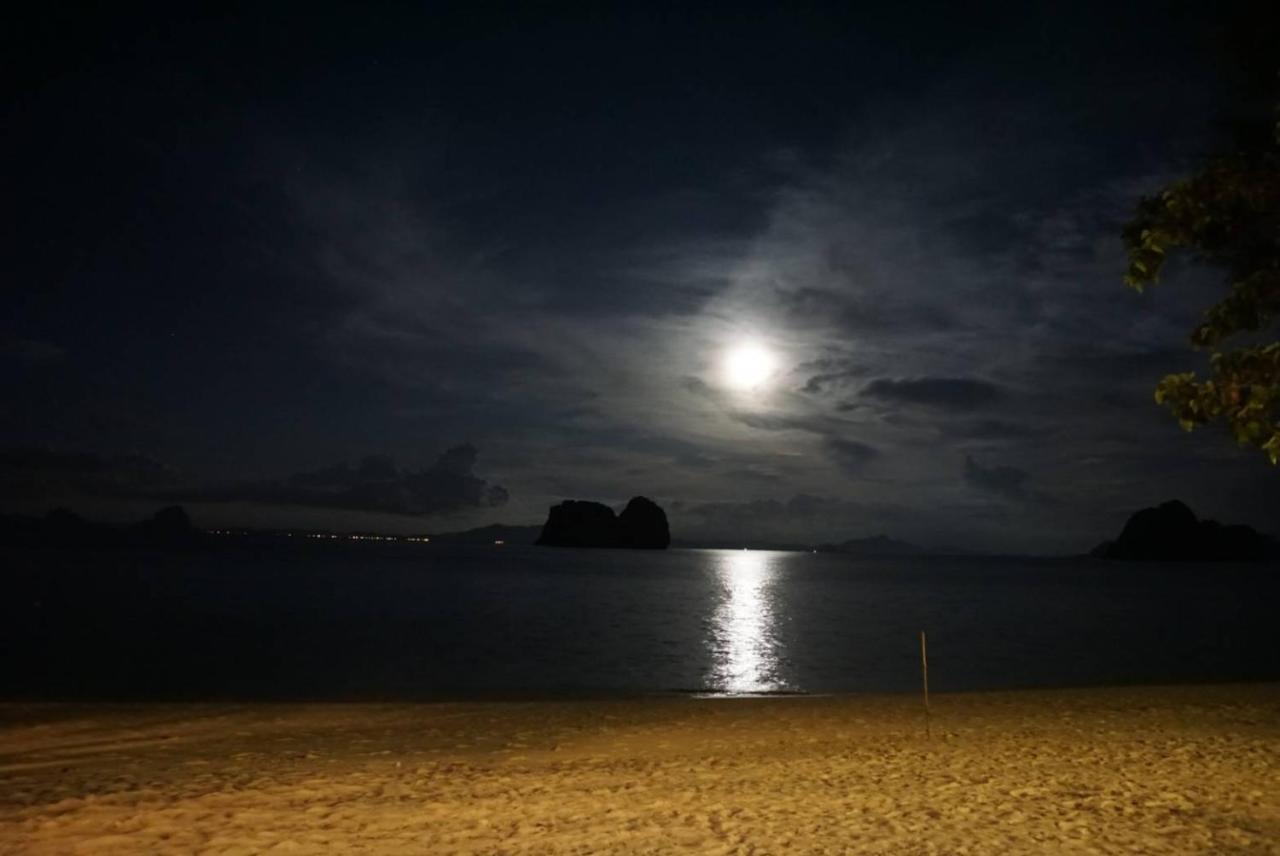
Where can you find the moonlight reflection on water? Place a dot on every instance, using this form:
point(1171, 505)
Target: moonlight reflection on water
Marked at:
point(742, 633)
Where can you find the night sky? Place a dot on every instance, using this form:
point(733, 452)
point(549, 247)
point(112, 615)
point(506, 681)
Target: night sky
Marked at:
point(424, 270)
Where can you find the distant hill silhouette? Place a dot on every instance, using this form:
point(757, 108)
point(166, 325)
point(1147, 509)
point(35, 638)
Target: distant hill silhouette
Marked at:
point(61, 527)
point(714, 543)
point(489, 534)
point(876, 545)
point(575, 523)
point(1171, 532)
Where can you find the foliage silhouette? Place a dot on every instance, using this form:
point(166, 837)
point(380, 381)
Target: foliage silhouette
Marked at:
point(1227, 214)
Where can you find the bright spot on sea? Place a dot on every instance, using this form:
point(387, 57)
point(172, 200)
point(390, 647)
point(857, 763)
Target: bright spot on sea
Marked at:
point(742, 640)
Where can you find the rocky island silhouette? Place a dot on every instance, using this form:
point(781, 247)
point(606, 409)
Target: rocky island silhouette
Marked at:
point(577, 523)
point(1172, 532)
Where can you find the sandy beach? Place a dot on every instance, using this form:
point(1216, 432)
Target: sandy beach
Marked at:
point(1130, 770)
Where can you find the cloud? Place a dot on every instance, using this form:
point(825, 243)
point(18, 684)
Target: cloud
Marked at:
point(851, 455)
point(946, 393)
point(830, 372)
point(34, 471)
point(1004, 481)
point(30, 476)
point(376, 485)
point(862, 314)
point(816, 383)
point(775, 421)
point(31, 352)
point(803, 518)
point(909, 282)
point(993, 429)
point(753, 474)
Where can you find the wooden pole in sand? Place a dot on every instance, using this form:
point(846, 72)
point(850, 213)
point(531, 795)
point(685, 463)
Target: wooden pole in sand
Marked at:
point(924, 670)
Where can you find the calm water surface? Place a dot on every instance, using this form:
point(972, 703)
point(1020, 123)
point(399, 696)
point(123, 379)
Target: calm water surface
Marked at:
point(432, 621)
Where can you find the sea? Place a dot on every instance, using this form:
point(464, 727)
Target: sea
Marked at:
point(429, 621)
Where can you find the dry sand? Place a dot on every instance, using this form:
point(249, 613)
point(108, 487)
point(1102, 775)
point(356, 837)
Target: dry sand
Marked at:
point(1152, 770)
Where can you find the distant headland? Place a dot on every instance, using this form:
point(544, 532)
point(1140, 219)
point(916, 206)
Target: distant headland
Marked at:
point(168, 527)
point(877, 546)
point(575, 523)
point(1171, 532)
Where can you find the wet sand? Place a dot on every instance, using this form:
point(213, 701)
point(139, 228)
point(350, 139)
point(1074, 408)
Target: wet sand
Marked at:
point(1142, 770)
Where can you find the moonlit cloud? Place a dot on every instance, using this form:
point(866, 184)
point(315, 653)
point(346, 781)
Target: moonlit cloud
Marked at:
point(922, 306)
point(947, 393)
point(376, 485)
point(920, 229)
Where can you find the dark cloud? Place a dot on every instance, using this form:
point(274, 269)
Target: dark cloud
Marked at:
point(33, 475)
point(777, 421)
point(802, 518)
point(492, 256)
point(31, 352)
point(927, 427)
point(697, 386)
point(851, 455)
point(1003, 481)
point(859, 313)
point(753, 474)
point(993, 429)
point(830, 372)
point(377, 485)
point(694, 460)
point(1115, 363)
point(816, 383)
point(945, 393)
point(33, 472)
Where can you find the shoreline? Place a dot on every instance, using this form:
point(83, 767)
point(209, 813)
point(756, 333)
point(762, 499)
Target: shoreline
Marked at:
point(1169, 769)
point(9, 705)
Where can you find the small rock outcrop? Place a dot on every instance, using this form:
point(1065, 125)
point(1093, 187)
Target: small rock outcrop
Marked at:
point(644, 525)
point(575, 523)
point(1171, 532)
point(168, 526)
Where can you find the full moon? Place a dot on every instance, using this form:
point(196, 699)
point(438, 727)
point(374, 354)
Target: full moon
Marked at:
point(748, 366)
